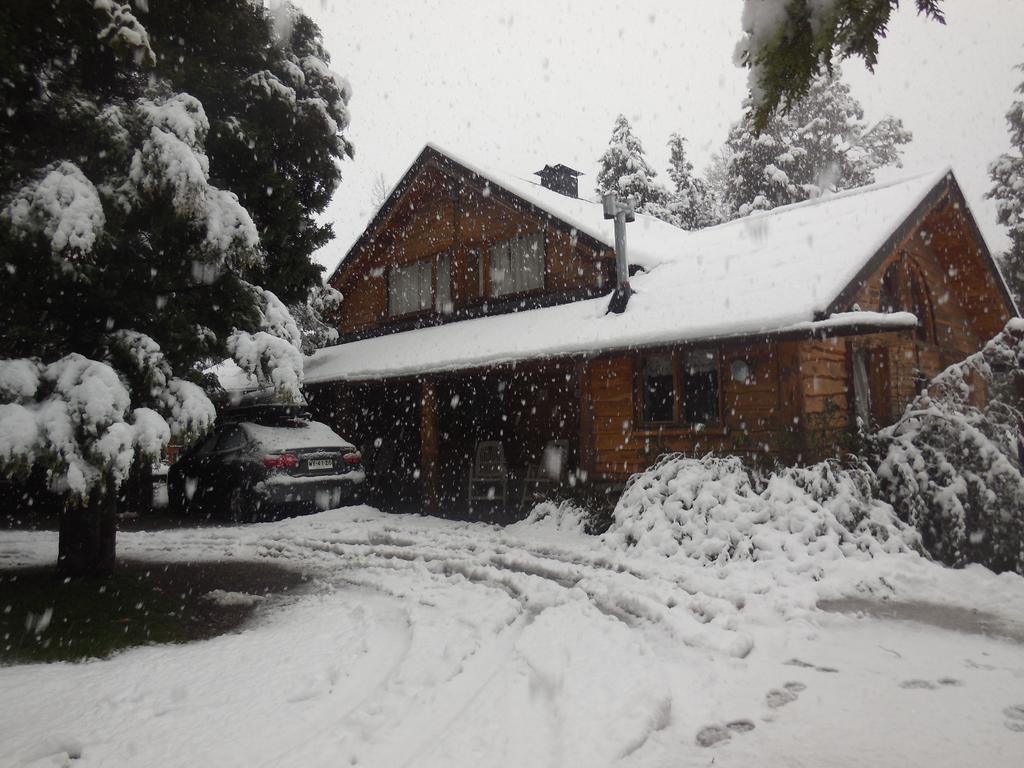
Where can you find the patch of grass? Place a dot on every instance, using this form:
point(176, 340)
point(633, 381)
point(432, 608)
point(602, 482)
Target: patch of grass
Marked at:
point(45, 618)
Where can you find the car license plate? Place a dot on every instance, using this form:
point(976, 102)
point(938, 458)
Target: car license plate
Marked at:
point(320, 464)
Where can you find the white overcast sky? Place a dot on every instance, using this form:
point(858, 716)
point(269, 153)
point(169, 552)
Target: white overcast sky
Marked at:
point(512, 86)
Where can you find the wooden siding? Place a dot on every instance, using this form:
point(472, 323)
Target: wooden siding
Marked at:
point(755, 421)
point(438, 214)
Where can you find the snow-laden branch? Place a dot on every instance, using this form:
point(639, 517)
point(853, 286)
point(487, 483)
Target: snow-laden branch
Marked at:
point(63, 206)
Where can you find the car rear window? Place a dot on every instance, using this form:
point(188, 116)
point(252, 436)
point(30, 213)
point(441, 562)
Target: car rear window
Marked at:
point(295, 434)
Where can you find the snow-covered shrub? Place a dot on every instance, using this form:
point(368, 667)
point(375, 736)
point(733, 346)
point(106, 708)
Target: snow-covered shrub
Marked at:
point(952, 467)
point(715, 509)
point(564, 515)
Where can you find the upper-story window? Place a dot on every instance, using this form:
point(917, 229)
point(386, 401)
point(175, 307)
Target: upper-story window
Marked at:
point(443, 296)
point(903, 289)
point(420, 285)
point(517, 265)
point(410, 287)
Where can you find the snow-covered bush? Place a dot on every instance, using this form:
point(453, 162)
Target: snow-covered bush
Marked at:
point(951, 466)
point(715, 509)
point(562, 515)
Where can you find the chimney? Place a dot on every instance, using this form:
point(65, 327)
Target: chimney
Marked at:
point(622, 213)
point(561, 179)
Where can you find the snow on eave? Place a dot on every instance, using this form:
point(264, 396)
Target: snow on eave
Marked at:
point(401, 349)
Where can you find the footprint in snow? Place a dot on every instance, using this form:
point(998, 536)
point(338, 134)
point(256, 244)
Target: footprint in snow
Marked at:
point(807, 665)
point(740, 726)
point(918, 684)
point(787, 694)
point(1015, 717)
point(710, 735)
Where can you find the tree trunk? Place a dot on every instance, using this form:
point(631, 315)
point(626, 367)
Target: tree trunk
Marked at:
point(135, 495)
point(87, 535)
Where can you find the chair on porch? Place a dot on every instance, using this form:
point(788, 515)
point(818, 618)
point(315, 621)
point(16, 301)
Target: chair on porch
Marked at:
point(488, 477)
point(547, 475)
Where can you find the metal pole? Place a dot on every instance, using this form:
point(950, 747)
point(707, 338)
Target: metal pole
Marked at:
point(621, 263)
point(621, 213)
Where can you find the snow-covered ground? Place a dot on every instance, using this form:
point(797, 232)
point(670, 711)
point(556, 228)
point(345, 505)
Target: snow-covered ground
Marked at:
point(426, 642)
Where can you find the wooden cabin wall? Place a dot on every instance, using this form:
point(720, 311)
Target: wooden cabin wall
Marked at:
point(757, 417)
point(966, 308)
point(439, 214)
point(825, 397)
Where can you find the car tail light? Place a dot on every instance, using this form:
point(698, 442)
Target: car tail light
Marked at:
point(351, 458)
point(281, 461)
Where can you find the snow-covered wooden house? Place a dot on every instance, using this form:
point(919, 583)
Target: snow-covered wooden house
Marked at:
point(476, 309)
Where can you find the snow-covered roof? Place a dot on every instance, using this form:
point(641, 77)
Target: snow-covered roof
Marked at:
point(771, 272)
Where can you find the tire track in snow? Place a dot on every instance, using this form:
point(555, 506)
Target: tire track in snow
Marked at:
point(535, 579)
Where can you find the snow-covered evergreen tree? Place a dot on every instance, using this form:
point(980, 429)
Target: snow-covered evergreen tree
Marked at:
point(786, 44)
point(823, 144)
point(691, 201)
point(1007, 174)
point(277, 119)
point(313, 318)
point(952, 468)
point(127, 267)
point(716, 177)
point(624, 169)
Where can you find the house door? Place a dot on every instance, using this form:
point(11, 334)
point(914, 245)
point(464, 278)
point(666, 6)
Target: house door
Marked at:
point(862, 389)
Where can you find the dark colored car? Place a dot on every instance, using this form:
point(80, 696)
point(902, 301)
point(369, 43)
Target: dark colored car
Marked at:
point(261, 462)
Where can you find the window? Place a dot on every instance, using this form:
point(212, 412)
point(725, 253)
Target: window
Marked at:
point(474, 280)
point(904, 290)
point(409, 287)
point(681, 387)
point(517, 265)
point(921, 307)
point(700, 387)
point(659, 388)
point(443, 300)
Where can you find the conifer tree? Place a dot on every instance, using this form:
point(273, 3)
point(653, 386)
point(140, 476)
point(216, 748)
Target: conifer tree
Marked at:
point(787, 44)
point(1007, 174)
point(130, 262)
point(624, 169)
point(823, 144)
point(277, 119)
point(691, 201)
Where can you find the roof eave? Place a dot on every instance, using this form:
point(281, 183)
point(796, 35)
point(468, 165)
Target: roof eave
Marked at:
point(812, 332)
